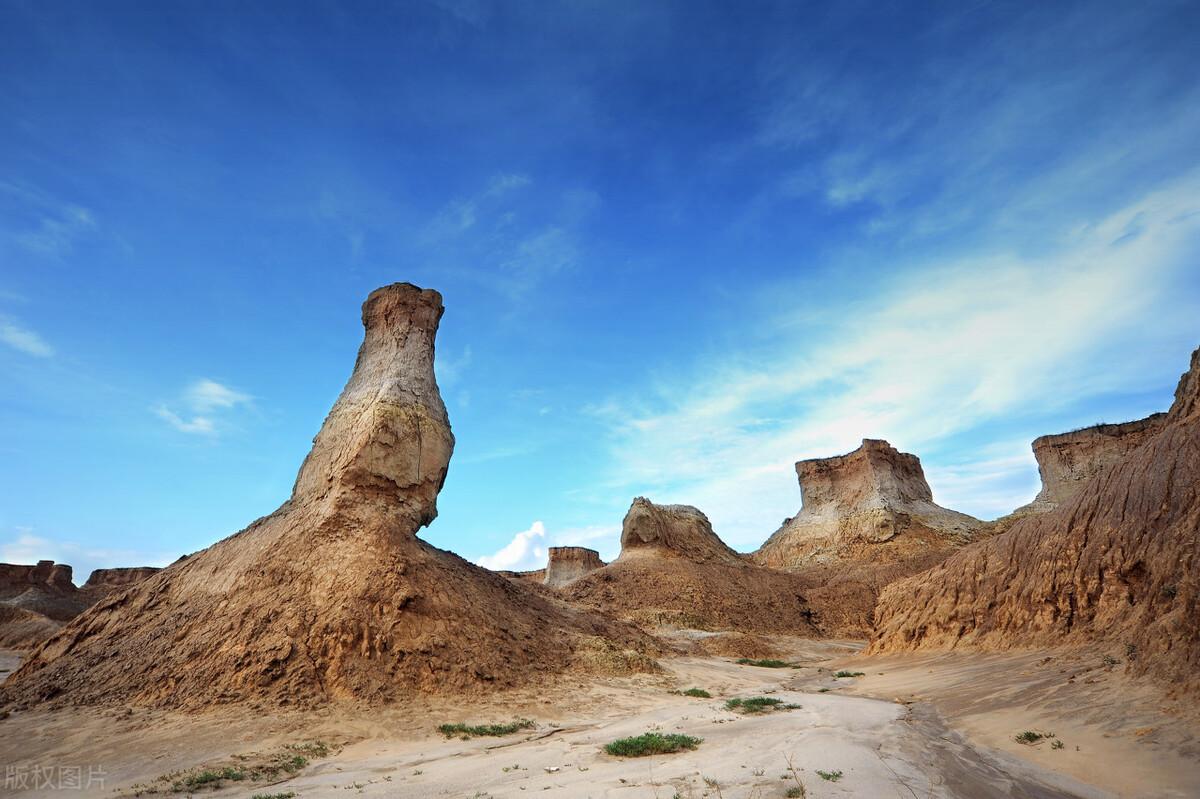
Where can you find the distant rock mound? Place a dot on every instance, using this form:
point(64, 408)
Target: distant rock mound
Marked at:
point(671, 531)
point(567, 564)
point(332, 596)
point(42, 597)
point(45, 589)
point(872, 495)
point(1116, 565)
point(673, 571)
point(102, 582)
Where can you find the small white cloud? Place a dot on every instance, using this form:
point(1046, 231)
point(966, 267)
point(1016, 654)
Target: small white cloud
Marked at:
point(24, 340)
point(197, 424)
point(206, 395)
point(526, 551)
point(205, 398)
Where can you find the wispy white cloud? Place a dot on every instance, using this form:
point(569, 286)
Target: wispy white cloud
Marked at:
point(206, 399)
point(938, 350)
point(46, 226)
point(450, 368)
point(23, 339)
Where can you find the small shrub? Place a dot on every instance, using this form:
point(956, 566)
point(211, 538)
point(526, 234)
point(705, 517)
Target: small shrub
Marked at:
point(479, 730)
point(757, 704)
point(796, 792)
point(1029, 737)
point(1169, 591)
point(698, 692)
point(840, 674)
point(287, 795)
point(1109, 661)
point(651, 743)
point(767, 663)
point(829, 776)
point(1057, 745)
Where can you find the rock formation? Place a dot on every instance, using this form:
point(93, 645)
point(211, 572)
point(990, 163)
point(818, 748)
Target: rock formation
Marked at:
point(102, 582)
point(868, 518)
point(36, 600)
point(673, 570)
point(567, 564)
point(1068, 460)
point(332, 596)
point(671, 531)
point(1117, 565)
point(872, 495)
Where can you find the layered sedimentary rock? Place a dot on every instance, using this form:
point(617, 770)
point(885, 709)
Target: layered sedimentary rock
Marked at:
point(872, 495)
point(36, 600)
point(45, 589)
point(673, 570)
point(567, 564)
point(332, 596)
point(868, 518)
point(1117, 565)
point(1068, 460)
point(104, 581)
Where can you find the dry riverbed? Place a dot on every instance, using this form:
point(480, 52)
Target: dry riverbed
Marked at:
point(908, 727)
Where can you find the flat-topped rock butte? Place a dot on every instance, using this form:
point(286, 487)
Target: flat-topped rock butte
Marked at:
point(564, 565)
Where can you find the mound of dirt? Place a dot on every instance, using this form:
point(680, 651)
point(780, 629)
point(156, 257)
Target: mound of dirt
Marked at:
point(332, 596)
point(1116, 565)
point(24, 629)
point(673, 571)
point(567, 564)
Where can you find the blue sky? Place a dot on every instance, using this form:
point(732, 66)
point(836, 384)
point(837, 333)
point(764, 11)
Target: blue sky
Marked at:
point(681, 245)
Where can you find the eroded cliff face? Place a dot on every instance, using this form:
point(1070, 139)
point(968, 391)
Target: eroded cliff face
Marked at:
point(872, 495)
point(1068, 460)
point(332, 596)
point(674, 571)
point(567, 564)
point(1116, 565)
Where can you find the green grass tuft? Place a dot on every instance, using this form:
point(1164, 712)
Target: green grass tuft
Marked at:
point(1029, 737)
point(829, 776)
point(840, 674)
point(698, 692)
point(480, 730)
point(768, 663)
point(651, 743)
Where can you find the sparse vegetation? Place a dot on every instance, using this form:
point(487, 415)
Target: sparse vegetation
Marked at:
point(1109, 661)
point(766, 663)
point(285, 795)
point(651, 743)
point(797, 791)
point(1057, 745)
point(840, 674)
point(829, 776)
point(1169, 591)
point(466, 731)
point(698, 692)
point(1030, 737)
point(757, 704)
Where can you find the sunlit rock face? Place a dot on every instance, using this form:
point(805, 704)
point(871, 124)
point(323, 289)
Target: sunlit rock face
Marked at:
point(1115, 562)
point(331, 597)
point(869, 496)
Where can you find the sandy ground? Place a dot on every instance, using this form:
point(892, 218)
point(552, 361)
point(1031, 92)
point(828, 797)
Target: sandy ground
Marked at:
point(949, 736)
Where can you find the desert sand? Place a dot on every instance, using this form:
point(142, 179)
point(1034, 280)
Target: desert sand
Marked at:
point(924, 726)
